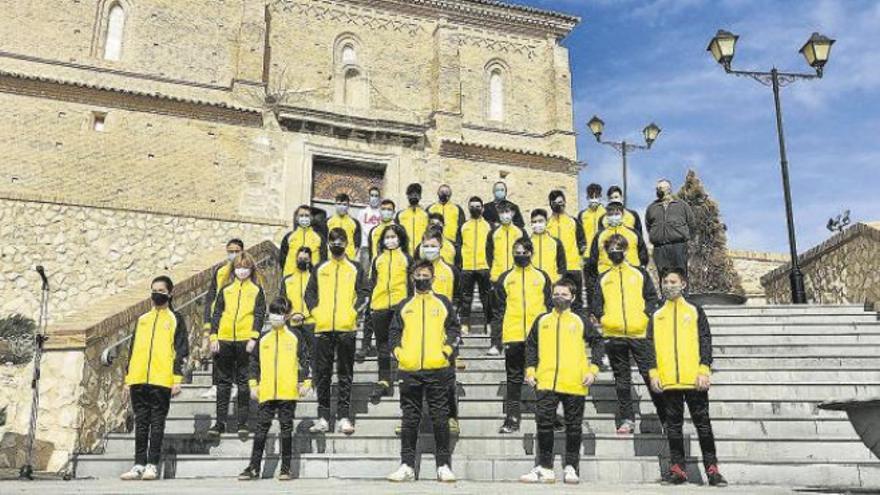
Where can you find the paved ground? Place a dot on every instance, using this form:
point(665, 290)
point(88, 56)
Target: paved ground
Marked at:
point(335, 487)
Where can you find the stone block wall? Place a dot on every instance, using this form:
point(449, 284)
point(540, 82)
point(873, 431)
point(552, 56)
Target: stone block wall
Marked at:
point(843, 269)
point(91, 252)
point(751, 266)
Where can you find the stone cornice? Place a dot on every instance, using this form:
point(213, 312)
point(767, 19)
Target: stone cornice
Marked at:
point(312, 120)
point(509, 156)
point(494, 13)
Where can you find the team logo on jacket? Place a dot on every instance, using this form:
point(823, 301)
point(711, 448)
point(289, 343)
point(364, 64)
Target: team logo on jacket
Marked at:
point(687, 318)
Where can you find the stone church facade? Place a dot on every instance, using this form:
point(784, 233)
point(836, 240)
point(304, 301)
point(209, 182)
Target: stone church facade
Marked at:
point(189, 120)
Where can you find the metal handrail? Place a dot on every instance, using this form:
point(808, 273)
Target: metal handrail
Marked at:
point(109, 354)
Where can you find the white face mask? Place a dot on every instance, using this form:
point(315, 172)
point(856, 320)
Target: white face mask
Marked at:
point(304, 221)
point(374, 201)
point(430, 253)
point(506, 218)
point(615, 220)
point(392, 243)
point(539, 227)
point(594, 202)
point(242, 273)
point(387, 215)
point(276, 320)
point(341, 209)
point(231, 257)
point(671, 292)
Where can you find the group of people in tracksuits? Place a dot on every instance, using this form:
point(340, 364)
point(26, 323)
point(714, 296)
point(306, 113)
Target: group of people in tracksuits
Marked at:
point(408, 277)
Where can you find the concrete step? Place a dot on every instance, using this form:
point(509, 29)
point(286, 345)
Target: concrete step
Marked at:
point(502, 468)
point(601, 444)
point(745, 327)
point(748, 336)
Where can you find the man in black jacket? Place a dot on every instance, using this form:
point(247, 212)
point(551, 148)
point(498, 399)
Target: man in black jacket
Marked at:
point(490, 210)
point(671, 225)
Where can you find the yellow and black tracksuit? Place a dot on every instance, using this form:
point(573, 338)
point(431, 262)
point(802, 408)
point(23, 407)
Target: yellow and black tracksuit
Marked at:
point(453, 218)
point(425, 333)
point(447, 283)
point(389, 279)
point(548, 255)
point(522, 294)
point(569, 232)
point(293, 287)
point(376, 238)
point(158, 348)
point(682, 350)
point(624, 301)
point(299, 237)
point(499, 254)
point(475, 267)
point(335, 291)
point(221, 275)
point(448, 252)
point(589, 219)
point(351, 227)
point(278, 364)
point(636, 252)
point(238, 317)
point(631, 219)
point(557, 356)
point(414, 221)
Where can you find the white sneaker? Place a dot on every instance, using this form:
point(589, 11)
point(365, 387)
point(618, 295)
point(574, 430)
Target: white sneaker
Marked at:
point(135, 473)
point(465, 329)
point(320, 426)
point(570, 476)
point(539, 475)
point(345, 426)
point(493, 351)
point(151, 472)
point(403, 473)
point(211, 393)
point(445, 474)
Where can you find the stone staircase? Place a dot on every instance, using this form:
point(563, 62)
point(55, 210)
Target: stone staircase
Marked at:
point(773, 366)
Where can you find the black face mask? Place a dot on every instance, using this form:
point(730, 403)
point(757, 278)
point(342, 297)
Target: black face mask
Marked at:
point(444, 197)
point(660, 194)
point(557, 208)
point(160, 298)
point(561, 303)
point(522, 260)
point(337, 250)
point(413, 200)
point(422, 284)
point(476, 212)
point(616, 257)
point(303, 265)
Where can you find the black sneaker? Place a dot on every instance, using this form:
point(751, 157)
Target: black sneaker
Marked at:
point(675, 476)
point(380, 390)
point(372, 352)
point(714, 476)
point(360, 356)
point(284, 473)
point(248, 474)
point(217, 430)
point(509, 426)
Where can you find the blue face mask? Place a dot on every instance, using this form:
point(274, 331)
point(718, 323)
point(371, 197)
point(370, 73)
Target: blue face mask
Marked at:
point(500, 194)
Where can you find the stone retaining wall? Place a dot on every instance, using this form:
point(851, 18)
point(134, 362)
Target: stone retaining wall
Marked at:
point(843, 269)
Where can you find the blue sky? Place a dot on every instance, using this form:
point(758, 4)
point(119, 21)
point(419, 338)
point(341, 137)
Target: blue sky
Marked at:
point(634, 62)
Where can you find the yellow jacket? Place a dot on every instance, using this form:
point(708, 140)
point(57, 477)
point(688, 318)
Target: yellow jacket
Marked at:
point(474, 236)
point(414, 221)
point(631, 219)
point(548, 255)
point(446, 281)
point(521, 295)
point(424, 333)
point(682, 344)
point(279, 362)
point(453, 218)
point(389, 277)
point(294, 289)
point(351, 227)
point(565, 228)
point(557, 355)
point(221, 274)
point(301, 236)
point(334, 294)
point(636, 252)
point(158, 347)
point(499, 249)
point(624, 301)
point(448, 252)
point(589, 220)
point(376, 238)
point(239, 312)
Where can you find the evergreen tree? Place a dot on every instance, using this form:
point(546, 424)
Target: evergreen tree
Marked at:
point(710, 269)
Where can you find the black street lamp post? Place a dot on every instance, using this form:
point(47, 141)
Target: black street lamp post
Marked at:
point(816, 51)
point(651, 131)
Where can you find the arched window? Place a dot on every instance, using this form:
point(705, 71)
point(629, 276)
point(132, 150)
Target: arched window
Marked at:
point(351, 78)
point(114, 34)
point(349, 55)
point(496, 94)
